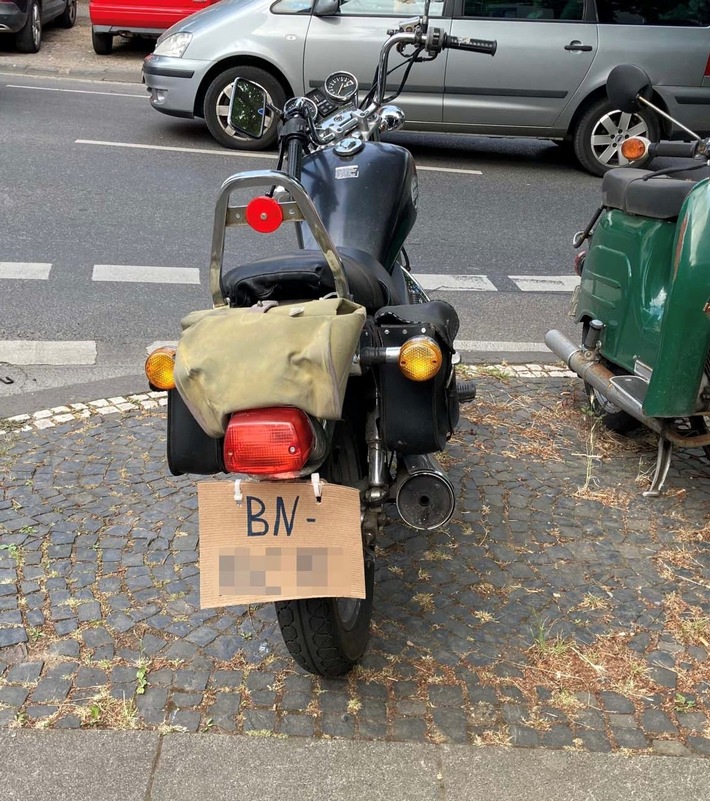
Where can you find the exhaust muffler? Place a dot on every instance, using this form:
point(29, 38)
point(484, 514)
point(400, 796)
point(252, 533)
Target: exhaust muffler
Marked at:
point(424, 495)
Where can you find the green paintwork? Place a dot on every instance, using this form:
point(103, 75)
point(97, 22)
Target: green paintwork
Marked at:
point(651, 298)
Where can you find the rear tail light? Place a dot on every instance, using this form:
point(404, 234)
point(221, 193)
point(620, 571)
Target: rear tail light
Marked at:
point(579, 262)
point(272, 442)
point(707, 68)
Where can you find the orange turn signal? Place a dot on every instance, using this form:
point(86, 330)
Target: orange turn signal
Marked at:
point(420, 359)
point(634, 149)
point(159, 368)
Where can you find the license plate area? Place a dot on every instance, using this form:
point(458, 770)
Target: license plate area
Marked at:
point(278, 542)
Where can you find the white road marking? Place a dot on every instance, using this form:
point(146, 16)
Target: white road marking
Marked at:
point(25, 270)
point(455, 283)
point(545, 283)
point(420, 168)
point(148, 275)
point(240, 153)
point(210, 151)
point(496, 347)
point(26, 352)
point(76, 91)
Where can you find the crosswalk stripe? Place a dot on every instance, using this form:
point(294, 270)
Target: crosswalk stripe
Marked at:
point(455, 283)
point(545, 283)
point(149, 275)
point(25, 270)
point(29, 352)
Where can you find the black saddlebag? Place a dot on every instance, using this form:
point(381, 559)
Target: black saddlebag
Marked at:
point(190, 450)
point(418, 416)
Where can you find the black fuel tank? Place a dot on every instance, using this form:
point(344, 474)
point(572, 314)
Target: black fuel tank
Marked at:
point(366, 201)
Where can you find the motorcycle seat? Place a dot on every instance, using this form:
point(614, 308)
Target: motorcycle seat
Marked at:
point(660, 198)
point(305, 275)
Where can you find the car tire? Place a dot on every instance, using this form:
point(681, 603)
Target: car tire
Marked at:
point(216, 102)
point(67, 18)
point(102, 42)
point(601, 129)
point(29, 38)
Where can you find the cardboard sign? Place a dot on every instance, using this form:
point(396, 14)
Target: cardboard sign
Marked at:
point(279, 543)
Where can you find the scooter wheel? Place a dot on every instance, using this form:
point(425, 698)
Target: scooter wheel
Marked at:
point(614, 418)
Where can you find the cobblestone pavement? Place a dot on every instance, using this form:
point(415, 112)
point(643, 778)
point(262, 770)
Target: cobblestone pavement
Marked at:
point(559, 609)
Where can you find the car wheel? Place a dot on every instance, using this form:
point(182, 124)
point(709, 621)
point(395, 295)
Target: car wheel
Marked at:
point(216, 108)
point(602, 129)
point(102, 42)
point(29, 39)
point(68, 17)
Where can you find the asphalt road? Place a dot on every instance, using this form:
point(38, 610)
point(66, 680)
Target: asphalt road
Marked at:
point(96, 177)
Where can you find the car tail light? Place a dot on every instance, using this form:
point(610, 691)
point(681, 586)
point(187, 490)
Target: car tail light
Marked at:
point(268, 442)
point(707, 68)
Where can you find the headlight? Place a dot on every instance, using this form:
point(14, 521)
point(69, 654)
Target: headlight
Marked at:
point(174, 45)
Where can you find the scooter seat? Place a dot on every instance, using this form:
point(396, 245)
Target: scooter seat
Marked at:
point(634, 192)
point(305, 275)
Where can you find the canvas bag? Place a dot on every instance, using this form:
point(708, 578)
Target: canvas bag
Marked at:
point(299, 354)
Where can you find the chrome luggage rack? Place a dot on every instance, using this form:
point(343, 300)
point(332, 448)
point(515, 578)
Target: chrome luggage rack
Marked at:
point(299, 209)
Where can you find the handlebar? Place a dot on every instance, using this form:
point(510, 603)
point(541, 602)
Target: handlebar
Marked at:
point(486, 46)
point(687, 150)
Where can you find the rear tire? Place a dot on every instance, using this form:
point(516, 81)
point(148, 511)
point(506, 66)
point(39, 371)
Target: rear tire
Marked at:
point(102, 42)
point(67, 18)
point(601, 129)
point(327, 636)
point(29, 39)
point(614, 419)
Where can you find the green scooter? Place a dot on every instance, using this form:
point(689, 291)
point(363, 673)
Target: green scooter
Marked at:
point(644, 296)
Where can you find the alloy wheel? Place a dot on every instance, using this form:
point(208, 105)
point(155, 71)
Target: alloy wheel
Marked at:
point(612, 130)
point(36, 26)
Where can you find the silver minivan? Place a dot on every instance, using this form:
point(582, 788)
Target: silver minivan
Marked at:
point(547, 78)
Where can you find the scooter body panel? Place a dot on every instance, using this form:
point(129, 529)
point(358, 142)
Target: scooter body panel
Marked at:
point(366, 201)
point(648, 281)
point(685, 335)
point(625, 284)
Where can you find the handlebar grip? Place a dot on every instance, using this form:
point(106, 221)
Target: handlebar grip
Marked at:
point(487, 46)
point(682, 150)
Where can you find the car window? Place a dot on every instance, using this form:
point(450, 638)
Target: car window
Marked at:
point(690, 13)
point(390, 8)
point(292, 7)
point(532, 9)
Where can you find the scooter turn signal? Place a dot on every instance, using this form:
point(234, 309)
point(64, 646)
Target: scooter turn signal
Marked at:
point(635, 148)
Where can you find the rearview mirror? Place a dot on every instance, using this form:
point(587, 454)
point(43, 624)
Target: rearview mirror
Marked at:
point(325, 8)
point(246, 108)
point(624, 85)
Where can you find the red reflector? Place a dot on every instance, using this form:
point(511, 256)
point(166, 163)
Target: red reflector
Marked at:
point(579, 262)
point(274, 442)
point(707, 68)
point(264, 214)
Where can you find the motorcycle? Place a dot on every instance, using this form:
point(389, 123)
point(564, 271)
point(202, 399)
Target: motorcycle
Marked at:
point(248, 396)
point(644, 297)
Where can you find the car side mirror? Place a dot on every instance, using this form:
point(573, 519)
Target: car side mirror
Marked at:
point(625, 84)
point(326, 8)
point(246, 108)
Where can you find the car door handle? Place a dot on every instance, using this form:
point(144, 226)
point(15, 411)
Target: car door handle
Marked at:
point(577, 47)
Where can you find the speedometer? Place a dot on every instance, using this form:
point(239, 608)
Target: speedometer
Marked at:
point(340, 86)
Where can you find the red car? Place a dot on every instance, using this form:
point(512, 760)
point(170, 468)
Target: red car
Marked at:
point(111, 18)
